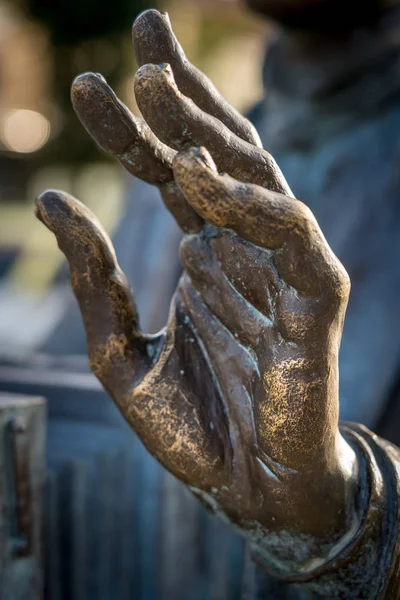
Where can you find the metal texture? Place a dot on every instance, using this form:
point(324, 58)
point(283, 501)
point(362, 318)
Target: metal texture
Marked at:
point(238, 396)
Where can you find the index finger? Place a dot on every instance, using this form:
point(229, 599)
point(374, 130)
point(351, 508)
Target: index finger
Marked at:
point(114, 128)
point(129, 139)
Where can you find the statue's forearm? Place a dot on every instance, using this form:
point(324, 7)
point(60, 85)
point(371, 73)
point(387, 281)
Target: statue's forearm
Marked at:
point(238, 397)
point(364, 562)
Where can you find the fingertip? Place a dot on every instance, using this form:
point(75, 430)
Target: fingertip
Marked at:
point(197, 176)
point(103, 115)
point(194, 159)
point(154, 84)
point(51, 205)
point(86, 84)
point(202, 157)
point(154, 74)
point(89, 91)
point(153, 37)
point(79, 234)
point(49, 199)
point(148, 18)
point(39, 206)
point(165, 15)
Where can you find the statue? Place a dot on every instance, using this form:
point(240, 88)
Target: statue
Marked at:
point(238, 395)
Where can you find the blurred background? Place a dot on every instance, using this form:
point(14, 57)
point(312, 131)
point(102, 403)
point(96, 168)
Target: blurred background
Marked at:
point(44, 45)
point(85, 512)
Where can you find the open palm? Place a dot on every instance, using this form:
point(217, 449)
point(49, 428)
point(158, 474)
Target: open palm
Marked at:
point(238, 396)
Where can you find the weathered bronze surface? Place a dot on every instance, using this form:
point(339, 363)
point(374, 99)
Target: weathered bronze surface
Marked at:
point(238, 395)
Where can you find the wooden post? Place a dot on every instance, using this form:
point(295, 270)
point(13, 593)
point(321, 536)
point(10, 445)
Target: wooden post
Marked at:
point(22, 478)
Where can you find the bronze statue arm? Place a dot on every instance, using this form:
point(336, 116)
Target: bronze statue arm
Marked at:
point(238, 395)
point(270, 297)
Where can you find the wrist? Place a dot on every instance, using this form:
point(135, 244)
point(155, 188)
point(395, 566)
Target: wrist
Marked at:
point(335, 515)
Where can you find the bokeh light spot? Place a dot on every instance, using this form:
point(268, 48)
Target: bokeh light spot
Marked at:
point(25, 130)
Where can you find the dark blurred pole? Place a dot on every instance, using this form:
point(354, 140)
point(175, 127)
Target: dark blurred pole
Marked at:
point(22, 480)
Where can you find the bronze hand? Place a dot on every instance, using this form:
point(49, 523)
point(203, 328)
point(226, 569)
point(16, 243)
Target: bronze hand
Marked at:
point(238, 396)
